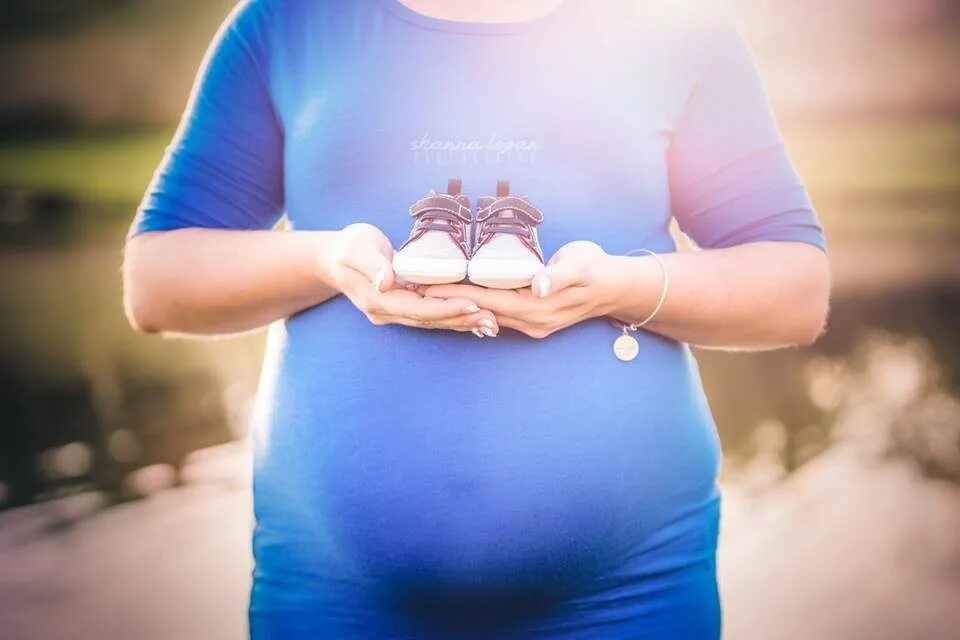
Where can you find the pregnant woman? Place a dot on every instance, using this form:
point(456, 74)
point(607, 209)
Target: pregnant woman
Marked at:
point(416, 480)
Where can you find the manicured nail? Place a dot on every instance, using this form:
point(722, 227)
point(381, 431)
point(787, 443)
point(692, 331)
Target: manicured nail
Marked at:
point(378, 279)
point(476, 332)
point(488, 332)
point(486, 323)
point(471, 308)
point(543, 286)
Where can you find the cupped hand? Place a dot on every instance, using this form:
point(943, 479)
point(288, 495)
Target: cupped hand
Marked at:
point(574, 286)
point(360, 267)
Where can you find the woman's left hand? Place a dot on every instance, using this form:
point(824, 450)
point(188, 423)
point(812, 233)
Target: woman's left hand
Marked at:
point(574, 285)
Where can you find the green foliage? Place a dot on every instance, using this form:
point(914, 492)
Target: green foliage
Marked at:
point(94, 169)
point(886, 164)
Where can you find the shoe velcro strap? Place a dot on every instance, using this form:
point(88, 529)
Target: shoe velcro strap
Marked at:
point(440, 202)
point(511, 203)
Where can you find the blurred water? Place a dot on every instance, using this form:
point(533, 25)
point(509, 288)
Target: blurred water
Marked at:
point(860, 542)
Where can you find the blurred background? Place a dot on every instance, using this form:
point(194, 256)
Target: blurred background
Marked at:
point(124, 489)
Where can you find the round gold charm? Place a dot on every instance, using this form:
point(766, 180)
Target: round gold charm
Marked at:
point(626, 347)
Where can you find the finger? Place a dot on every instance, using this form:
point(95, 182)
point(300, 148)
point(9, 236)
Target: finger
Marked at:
point(498, 301)
point(374, 265)
point(533, 330)
point(471, 291)
point(556, 277)
point(484, 322)
point(398, 281)
point(481, 324)
point(401, 303)
point(518, 324)
point(559, 319)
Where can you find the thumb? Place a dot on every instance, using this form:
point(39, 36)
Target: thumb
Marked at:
point(375, 265)
point(383, 278)
point(556, 277)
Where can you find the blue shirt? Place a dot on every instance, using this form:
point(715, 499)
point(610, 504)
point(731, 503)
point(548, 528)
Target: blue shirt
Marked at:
point(400, 465)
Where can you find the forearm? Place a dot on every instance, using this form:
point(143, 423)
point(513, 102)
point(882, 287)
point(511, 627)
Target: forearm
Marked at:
point(212, 281)
point(755, 296)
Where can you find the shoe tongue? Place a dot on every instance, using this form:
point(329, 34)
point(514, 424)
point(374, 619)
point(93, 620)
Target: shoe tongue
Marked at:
point(503, 221)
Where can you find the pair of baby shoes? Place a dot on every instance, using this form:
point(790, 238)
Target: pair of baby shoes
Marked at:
point(497, 247)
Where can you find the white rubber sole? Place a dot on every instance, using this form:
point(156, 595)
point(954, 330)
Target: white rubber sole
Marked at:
point(502, 274)
point(429, 270)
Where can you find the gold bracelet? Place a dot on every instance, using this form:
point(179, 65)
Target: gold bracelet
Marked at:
point(626, 347)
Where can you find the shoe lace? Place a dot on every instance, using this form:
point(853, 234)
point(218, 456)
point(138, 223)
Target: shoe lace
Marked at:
point(507, 222)
point(438, 212)
point(512, 215)
point(437, 220)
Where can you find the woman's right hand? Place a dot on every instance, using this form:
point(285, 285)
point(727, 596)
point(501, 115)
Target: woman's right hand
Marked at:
point(360, 267)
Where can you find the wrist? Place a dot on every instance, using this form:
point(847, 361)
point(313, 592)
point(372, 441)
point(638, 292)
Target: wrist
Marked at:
point(319, 252)
point(634, 285)
point(609, 282)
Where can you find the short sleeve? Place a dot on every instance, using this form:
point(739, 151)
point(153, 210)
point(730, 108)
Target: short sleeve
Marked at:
point(731, 179)
point(224, 166)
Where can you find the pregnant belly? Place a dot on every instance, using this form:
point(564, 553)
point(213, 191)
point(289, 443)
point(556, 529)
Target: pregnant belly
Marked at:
point(456, 462)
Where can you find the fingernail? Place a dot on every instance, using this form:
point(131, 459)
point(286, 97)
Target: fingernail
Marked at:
point(378, 279)
point(488, 332)
point(476, 332)
point(543, 286)
point(471, 308)
point(486, 323)
point(411, 286)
